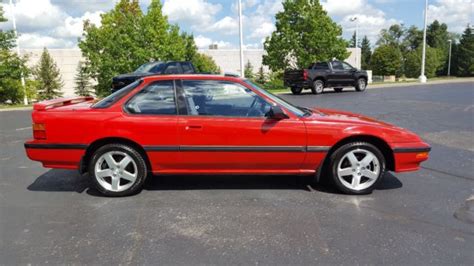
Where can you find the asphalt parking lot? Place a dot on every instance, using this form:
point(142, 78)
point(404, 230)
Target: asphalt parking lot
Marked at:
point(426, 217)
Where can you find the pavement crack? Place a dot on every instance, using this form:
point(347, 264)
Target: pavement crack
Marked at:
point(448, 174)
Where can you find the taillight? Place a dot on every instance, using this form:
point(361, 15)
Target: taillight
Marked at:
point(39, 131)
point(305, 74)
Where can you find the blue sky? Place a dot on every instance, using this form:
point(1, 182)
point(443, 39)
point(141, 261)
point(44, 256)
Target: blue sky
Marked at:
point(58, 23)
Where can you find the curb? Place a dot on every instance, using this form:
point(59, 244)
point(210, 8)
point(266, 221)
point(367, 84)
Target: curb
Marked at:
point(16, 109)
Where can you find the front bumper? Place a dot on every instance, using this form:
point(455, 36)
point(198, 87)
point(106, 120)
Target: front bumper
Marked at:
point(409, 156)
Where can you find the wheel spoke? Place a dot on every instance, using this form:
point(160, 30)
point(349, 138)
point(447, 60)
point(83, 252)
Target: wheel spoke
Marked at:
point(355, 181)
point(128, 176)
point(367, 159)
point(345, 172)
point(369, 174)
point(103, 173)
point(125, 161)
point(110, 160)
point(115, 183)
point(352, 159)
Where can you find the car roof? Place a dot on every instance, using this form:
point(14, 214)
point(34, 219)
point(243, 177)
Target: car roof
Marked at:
point(193, 76)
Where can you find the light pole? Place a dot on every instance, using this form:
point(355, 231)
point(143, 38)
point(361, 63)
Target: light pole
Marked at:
point(449, 60)
point(25, 98)
point(241, 34)
point(422, 77)
point(356, 20)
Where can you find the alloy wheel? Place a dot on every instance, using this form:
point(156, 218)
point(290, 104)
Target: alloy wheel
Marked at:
point(358, 169)
point(116, 171)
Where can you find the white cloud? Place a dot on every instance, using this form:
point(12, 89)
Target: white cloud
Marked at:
point(33, 40)
point(197, 13)
point(455, 13)
point(263, 30)
point(82, 6)
point(204, 42)
point(73, 27)
point(34, 15)
point(227, 25)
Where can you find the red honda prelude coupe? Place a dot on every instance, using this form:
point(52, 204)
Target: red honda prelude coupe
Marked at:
point(209, 124)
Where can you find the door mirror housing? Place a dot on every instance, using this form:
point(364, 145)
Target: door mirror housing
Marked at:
point(276, 113)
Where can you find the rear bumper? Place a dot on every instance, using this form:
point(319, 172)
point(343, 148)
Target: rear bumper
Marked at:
point(63, 156)
point(297, 83)
point(409, 156)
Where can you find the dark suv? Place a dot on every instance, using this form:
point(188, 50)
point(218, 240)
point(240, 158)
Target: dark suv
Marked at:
point(152, 68)
point(320, 75)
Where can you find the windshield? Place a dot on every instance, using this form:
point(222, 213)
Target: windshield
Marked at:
point(145, 68)
point(299, 111)
point(114, 97)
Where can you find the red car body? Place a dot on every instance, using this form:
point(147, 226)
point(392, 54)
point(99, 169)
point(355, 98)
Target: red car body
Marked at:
point(68, 130)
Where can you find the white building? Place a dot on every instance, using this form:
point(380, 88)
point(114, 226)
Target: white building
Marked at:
point(228, 60)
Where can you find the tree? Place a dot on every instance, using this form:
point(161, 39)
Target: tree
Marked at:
point(205, 64)
point(248, 71)
point(48, 76)
point(465, 53)
point(437, 35)
point(386, 60)
point(413, 38)
point(352, 42)
point(392, 36)
point(127, 38)
point(12, 67)
point(304, 34)
point(82, 81)
point(261, 77)
point(413, 62)
point(366, 53)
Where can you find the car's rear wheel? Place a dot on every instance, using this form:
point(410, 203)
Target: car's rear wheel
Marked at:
point(296, 90)
point(117, 170)
point(318, 87)
point(361, 84)
point(357, 168)
point(338, 89)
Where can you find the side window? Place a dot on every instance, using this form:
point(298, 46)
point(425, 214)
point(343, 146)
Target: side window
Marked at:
point(187, 69)
point(221, 98)
point(336, 65)
point(173, 68)
point(157, 98)
point(321, 66)
point(346, 66)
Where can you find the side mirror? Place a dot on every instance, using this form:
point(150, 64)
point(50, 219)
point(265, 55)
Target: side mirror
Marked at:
point(276, 113)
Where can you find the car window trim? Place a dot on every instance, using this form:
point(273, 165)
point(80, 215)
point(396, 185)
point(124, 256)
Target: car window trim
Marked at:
point(124, 109)
point(221, 116)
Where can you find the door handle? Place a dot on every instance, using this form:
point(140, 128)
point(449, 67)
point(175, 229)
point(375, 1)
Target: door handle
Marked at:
point(194, 127)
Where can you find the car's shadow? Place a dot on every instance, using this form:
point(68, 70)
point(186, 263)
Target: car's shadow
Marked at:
point(328, 91)
point(71, 181)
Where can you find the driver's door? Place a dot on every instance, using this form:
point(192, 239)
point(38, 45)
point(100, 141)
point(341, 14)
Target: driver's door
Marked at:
point(225, 130)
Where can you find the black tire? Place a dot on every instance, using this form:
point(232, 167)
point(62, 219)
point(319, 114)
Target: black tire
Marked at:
point(296, 90)
point(361, 84)
point(318, 87)
point(139, 161)
point(338, 89)
point(341, 152)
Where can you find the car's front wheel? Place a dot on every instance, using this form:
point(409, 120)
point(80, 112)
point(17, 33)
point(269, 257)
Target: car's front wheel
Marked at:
point(357, 167)
point(361, 84)
point(117, 170)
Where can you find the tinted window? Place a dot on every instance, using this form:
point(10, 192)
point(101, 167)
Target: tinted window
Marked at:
point(156, 99)
point(116, 96)
point(321, 66)
point(187, 69)
point(346, 66)
point(336, 65)
point(173, 68)
point(221, 98)
point(149, 67)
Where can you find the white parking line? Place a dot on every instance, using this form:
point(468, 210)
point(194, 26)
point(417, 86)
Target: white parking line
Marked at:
point(23, 128)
